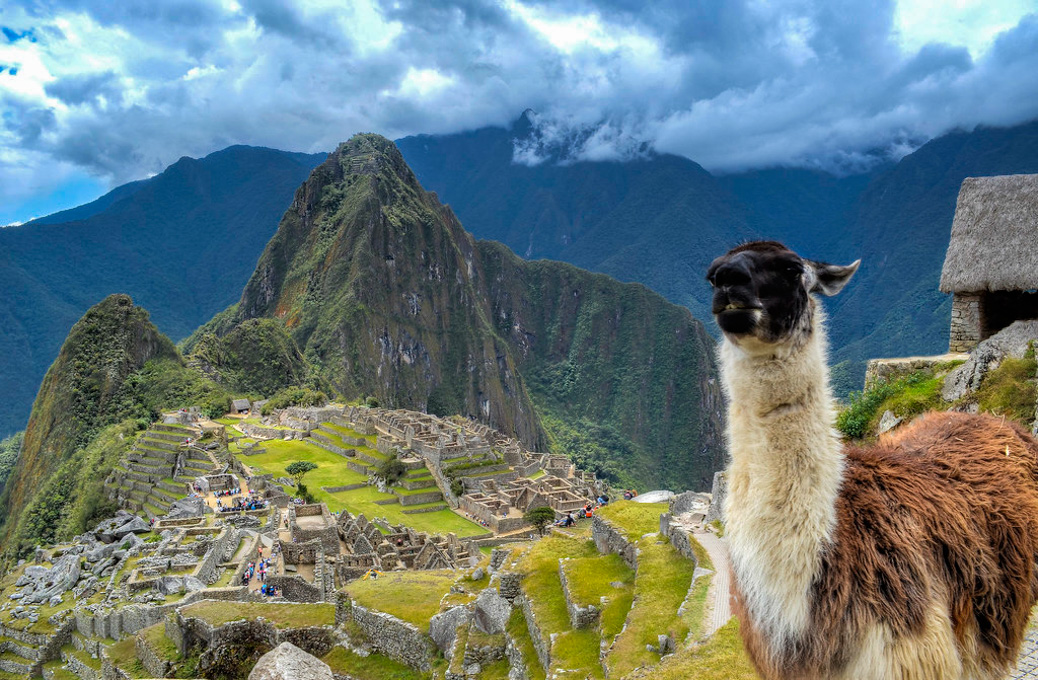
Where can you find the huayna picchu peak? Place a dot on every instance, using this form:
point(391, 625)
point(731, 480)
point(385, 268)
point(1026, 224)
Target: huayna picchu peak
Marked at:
point(387, 296)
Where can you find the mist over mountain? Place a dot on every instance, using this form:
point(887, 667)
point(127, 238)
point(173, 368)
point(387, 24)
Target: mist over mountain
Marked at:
point(660, 220)
point(182, 243)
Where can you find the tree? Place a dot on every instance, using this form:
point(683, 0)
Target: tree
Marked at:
point(299, 468)
point(540, 517)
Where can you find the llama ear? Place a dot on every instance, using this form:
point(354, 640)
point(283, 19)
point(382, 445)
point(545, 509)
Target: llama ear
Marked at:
point(829, 279)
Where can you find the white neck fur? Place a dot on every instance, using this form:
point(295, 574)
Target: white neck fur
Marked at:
point(784, 476)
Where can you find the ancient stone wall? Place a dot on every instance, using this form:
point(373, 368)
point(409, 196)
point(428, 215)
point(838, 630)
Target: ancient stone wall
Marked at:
point(579, 617)
point(965, 322)
point(609, 539)
point(540, 645)
point(220, 550)
point(154, 665)
point(389, 635)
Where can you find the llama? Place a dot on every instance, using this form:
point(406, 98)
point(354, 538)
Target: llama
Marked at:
point(912, 559)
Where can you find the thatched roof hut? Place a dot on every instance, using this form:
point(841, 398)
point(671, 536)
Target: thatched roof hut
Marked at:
point(992, 260)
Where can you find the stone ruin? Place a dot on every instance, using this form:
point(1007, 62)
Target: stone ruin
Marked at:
point(494, 469)
point(365, 547)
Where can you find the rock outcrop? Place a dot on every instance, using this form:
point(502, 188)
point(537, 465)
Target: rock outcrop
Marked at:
point(288, 662)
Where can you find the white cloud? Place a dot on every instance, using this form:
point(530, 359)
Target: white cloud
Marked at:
point(118, 91)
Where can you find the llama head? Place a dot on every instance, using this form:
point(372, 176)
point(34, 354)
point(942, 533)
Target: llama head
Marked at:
point(762, 294)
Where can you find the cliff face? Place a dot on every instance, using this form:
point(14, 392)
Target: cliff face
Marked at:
point(387, 295)
point(77, 397)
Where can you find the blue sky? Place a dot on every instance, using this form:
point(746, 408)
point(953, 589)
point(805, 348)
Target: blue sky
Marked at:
point(95, 93)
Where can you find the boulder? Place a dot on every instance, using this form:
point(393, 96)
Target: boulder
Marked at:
point(288, 662)
point(136, 525)
point(170, 585)
point(888, 421)
point(192, 506)
point(191, 584)
point(1010, 341)
point(444, 626)
point(490, 612)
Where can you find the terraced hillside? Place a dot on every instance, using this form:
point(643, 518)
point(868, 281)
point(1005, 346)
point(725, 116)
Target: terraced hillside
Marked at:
point(159, 469)
point(612, 598)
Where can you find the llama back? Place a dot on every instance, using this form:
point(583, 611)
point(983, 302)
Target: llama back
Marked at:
point(940, 517)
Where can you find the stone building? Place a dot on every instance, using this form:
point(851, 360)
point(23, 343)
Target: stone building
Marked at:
point(992, 262)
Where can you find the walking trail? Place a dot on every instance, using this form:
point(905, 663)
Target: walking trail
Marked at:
point(717, 598)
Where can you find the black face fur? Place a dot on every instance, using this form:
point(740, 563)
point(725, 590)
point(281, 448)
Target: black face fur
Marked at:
point(763, 289)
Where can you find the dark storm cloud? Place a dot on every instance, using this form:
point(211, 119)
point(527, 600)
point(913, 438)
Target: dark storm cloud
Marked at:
point(732, 85)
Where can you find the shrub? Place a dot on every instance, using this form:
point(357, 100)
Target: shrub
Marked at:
point(371, 402)
point(295, 396)
point(540, 517)
point(391, 470)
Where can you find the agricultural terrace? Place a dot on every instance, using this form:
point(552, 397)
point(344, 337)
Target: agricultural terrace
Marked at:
point(332, 471)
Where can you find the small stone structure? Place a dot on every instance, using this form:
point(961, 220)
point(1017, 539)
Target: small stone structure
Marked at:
point(992, 262)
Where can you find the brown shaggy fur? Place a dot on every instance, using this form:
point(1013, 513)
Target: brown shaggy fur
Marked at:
point(943, 511)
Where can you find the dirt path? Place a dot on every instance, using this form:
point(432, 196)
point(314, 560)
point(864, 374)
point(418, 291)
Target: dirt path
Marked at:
point(1027, 662)
point(720, 607)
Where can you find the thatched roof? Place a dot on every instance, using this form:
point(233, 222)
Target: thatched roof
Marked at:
point(994, 239)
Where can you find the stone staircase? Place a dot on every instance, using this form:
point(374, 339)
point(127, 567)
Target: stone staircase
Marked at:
point(158, 470)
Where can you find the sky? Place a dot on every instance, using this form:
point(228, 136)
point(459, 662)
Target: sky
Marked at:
point(95, 93)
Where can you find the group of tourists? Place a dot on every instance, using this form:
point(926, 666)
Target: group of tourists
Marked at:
point(629, 494)
point(255, 570)
point(240, 504)
point(269, 590)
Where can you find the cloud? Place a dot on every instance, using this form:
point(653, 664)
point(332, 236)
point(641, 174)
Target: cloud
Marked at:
point(119, 90)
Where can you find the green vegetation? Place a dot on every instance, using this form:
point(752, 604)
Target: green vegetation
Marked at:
point(661, 586)
point(520, 633)
point(540, 517)
point(391, 470)
point(906, 397)
point(299, 468)
point(72, 499)
point(332, 471)
point(412, 596)
point(1009, 390)
point(634, 519)
point(721, 657)
point(167, 384)
point(258, 356)
point(295, 396)
point(280, 614)
point(10, 448)
point(371, 667)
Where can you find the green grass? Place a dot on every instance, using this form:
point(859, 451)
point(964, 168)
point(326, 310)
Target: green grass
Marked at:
point(1009, 390)
point(156, 638)
point(591, 578)
point(662, 583)
point(412, 596)
point(371, 667)
point(520, 633)
point(281, 615)
point(634, 519)
point(123, 653)
point(721, 657)
point(332, 471)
